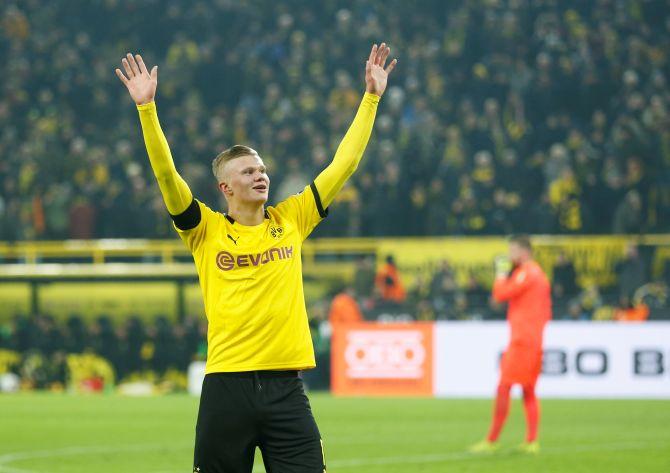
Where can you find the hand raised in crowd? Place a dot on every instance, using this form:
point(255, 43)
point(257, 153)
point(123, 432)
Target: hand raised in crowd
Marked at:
point(141, 83)
point(376, 75)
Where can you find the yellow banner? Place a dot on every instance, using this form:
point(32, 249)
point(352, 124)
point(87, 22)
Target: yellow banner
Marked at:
point(14, 299)
point(193, 302)
point(423, 256)
point(594, 257)
point(116, 299)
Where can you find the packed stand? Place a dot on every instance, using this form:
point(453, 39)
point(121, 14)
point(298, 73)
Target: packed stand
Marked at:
point(47, 353)
point(539, 116)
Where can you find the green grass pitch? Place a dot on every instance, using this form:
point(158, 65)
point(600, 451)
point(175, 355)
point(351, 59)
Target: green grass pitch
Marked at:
point(54, 433)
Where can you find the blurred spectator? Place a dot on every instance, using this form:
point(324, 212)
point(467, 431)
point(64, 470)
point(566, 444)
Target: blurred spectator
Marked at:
point(627, 312)
point(476, 295)
point(364, 279)
point(419, 297)
point(104, 339)
point(344, 308)
point(443, 288)
point(575, 312)
point(388, 283)
point(424, 311)
point(443, 280)
point(631, 272)
point(628, 214)
point(164, 349)
point(564, 281)
point(590, 300)
point(76, 335)
point(459, 309)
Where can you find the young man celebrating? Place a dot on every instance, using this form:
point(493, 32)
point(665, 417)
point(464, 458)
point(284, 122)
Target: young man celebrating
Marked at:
point(250, 272)
point(528, 293)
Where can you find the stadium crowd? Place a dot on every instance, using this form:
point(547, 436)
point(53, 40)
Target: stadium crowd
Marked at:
point(541, 116)
point(37, 347)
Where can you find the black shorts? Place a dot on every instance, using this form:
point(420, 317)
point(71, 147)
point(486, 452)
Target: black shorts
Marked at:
point(266, 409)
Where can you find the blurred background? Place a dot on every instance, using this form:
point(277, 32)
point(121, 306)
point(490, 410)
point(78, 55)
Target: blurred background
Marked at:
point(516, 116)
point(550, 117)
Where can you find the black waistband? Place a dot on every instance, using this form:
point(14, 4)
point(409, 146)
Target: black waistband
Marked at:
point(263, 374)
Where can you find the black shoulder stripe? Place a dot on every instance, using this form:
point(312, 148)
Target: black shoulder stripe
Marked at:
point(189, 218)
point(317, 198)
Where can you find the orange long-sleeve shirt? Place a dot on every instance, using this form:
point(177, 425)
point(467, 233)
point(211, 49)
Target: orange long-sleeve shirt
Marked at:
point(344, 309)
point(389, 284)
point(528, 293)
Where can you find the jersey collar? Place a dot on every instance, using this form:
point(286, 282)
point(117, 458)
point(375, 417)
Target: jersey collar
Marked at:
point(232, 220)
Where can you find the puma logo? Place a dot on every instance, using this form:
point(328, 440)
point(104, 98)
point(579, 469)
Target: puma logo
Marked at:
point(234, 240)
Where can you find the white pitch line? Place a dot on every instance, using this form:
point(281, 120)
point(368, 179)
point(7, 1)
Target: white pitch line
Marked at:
point(456, 456)
point(71, 451)
point(340, 464)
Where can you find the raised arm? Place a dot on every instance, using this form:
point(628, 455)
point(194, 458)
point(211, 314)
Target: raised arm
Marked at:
point(351, 149)
point(141, 85)
point(506, 288)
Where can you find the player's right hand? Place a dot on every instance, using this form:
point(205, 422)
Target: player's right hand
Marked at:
point(141, 84)
point(376, 76)
point(502, 266)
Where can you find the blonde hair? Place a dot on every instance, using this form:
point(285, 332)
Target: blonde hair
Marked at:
point(223, 157)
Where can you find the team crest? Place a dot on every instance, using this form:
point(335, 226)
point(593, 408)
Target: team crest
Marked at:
point(276, 232)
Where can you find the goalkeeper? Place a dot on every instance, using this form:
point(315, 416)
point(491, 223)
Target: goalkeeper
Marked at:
point(527, 291)
point(249, 265)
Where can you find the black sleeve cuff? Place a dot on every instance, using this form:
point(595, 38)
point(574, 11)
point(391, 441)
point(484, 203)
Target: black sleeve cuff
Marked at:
point(189, 218)
point(317, 198)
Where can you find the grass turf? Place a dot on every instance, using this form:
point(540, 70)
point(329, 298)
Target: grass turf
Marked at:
point(50, 433)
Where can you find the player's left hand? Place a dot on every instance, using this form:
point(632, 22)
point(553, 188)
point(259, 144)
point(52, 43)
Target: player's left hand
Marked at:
point(376, 75)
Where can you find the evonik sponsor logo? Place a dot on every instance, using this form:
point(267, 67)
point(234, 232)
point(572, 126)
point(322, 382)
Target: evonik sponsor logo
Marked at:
point(227, 261)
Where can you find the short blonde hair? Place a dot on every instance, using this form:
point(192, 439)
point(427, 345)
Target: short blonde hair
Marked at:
point(231, 153)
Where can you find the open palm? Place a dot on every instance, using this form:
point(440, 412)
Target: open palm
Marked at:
point(141, 83)
point(376, 76)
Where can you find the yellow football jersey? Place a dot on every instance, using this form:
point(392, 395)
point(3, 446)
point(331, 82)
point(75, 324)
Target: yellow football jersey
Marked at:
point(251, 276)
point(251, 281)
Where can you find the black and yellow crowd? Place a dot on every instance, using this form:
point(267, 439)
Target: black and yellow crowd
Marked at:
point(48, 352)
point(539, 116)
